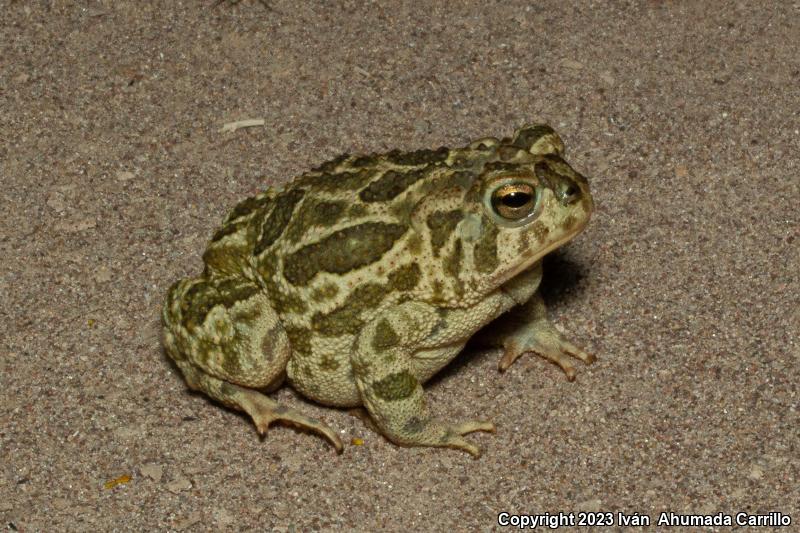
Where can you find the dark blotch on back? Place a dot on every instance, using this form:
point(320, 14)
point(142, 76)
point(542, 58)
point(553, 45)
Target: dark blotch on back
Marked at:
point(247, 206)
point(243, 209)
point(501, 166)
point(202, 297)
point(276, 222)
point(343, 251)
point(364, 161)
point(330, 166)
point(348, 317)
point(463, 179)
point(314, 213)
point(227, 229)
point(390, 185)
point(337, 181)
point(234, 290)
point(418, 157)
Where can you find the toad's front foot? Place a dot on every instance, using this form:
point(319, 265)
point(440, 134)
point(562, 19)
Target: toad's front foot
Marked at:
point(544, 339)
point(529, 330)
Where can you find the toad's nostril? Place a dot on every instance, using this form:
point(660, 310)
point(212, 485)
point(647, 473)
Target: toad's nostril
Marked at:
point(571, 193)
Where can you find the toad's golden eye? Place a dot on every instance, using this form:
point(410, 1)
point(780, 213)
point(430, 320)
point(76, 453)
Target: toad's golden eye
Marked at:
point(514, 201)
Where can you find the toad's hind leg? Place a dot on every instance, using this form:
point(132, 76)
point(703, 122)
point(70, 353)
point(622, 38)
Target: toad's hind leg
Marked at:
point(228, 342)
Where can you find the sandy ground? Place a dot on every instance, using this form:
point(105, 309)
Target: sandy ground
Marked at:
point(685, 283)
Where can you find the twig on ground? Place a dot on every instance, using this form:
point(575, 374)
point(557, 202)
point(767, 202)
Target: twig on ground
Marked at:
point(249, 123)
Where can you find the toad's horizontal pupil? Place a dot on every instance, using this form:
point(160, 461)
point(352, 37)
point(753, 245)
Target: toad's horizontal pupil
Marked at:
point(516, 199)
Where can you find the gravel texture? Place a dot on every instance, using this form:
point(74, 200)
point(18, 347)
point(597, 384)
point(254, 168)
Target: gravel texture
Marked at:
point(685, 284)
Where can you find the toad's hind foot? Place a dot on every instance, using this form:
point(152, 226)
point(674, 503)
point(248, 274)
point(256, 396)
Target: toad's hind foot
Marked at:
point(264, 411)
point(453, 436)
point(436, 433)
point(433, 432)
point(261, 408)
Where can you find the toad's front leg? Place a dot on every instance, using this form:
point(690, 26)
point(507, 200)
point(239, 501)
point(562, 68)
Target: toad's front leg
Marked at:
point(392, 393)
